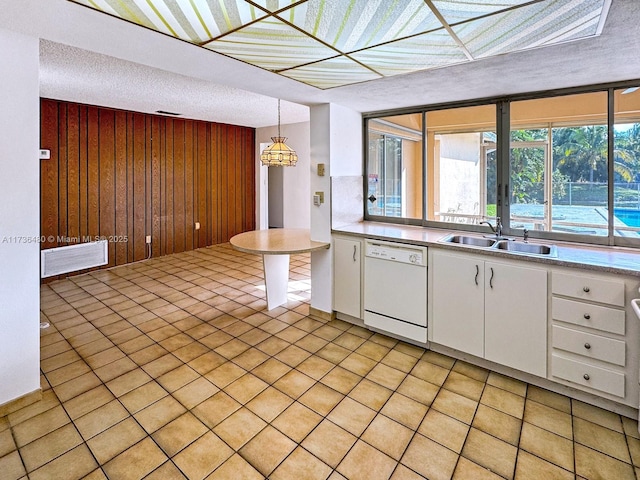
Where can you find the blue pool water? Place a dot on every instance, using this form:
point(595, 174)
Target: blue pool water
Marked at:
point(629, 216)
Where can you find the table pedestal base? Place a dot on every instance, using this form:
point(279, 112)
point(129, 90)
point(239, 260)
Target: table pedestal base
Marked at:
point(276, 279)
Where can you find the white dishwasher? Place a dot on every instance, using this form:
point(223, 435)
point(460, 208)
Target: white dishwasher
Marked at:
point(395, 289)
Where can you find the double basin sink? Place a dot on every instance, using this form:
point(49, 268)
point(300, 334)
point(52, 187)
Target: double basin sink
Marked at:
point(501, 244)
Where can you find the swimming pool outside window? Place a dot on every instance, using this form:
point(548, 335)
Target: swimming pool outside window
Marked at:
point(626, 192)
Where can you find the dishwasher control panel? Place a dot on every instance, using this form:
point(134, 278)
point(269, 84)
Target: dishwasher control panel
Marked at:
point(396, 253)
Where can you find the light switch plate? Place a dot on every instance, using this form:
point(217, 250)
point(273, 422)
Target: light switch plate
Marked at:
point(321, 169)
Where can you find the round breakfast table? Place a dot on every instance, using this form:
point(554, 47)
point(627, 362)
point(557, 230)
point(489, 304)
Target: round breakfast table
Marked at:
point(275, 245)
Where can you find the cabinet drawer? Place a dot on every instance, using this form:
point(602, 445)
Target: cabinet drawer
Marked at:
point(588, 288)
point(588, 315)
point(592, 346)
point(587, 375)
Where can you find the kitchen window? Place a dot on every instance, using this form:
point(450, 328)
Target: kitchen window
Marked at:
point(564, 166)
point(558, 165)
point(394, 169)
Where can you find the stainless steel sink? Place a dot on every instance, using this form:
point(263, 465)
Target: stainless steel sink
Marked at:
point(502, 244)
point(527, 248)
point(469, 240)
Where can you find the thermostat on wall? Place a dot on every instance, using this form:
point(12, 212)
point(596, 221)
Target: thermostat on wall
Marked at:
point(45, 154)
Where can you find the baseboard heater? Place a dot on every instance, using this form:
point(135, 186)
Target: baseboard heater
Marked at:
point(71, 258)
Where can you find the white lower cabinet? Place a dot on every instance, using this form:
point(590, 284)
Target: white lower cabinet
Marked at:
point(590, 334)
point(493, 310)
point(498, 310)
point(457, 288)
point(515, 316)
point(347, 268)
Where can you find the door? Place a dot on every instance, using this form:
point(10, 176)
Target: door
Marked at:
point(347, 287)
point(458, 302)
point(516, 317)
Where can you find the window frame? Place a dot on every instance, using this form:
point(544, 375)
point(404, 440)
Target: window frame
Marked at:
point(503, 132)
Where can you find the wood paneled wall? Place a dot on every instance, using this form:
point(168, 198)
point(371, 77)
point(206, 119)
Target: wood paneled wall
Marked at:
point(124, 175)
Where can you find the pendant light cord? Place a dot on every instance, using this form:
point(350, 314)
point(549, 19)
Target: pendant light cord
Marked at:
point(279, 118)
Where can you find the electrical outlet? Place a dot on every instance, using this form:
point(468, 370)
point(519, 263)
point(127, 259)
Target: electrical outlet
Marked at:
point(197, 225)
point(148, 239)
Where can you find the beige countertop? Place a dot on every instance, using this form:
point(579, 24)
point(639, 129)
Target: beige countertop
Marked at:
point(276, 241)
point(589, 257)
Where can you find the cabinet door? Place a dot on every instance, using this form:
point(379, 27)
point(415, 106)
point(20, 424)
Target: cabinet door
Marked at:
point(458, 302)
point(516, 317)
point(347, 288)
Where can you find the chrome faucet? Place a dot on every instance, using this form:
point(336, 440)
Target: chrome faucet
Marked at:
point(497, 229)
point(525, 235)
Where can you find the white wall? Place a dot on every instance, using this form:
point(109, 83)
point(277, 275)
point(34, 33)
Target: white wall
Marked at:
point(275, 194)
point(460, 172)
point(19, 216)
point(336, 141)
point(346, 141)
point(296, 193)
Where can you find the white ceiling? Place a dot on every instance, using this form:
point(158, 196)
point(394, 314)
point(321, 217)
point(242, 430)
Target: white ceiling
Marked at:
point(93, 58)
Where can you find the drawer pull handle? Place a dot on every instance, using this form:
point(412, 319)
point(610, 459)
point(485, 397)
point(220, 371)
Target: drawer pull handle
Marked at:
point(585, 289)
point(586, 376)
point(586, 316)
point(587, 346)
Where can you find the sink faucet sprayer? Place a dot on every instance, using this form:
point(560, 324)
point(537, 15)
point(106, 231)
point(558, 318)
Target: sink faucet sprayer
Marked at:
point(497, 229)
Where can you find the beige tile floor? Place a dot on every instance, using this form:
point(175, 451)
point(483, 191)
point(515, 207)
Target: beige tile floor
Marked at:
point(172, 368)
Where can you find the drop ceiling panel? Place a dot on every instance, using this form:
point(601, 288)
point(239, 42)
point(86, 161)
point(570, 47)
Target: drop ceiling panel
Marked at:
point(353, 25)
point(273, 45)
point(430, 50)
point(332, 73)
point(275, 5)
point(194, 21)
point(455, 11)
point(317, 41)
point(531, 26)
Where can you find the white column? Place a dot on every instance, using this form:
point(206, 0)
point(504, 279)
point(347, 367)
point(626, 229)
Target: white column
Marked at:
point(19, 216)
point(336, 141)
point(321, 265)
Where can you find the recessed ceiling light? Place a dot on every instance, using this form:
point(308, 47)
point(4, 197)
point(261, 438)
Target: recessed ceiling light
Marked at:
point(164, 112)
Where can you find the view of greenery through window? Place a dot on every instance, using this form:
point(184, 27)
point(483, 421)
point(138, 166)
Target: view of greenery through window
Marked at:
point(579, 176)
point(558, 165)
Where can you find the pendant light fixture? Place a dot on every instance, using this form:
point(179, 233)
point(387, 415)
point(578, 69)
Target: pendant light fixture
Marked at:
point(278, 154)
